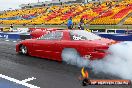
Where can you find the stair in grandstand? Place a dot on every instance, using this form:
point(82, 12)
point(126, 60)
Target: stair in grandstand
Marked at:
point(125, 18)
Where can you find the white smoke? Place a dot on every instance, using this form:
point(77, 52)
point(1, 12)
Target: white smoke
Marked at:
point(118, 62)
point(71, 56)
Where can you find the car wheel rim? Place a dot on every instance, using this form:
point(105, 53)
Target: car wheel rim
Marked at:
point(24, 50)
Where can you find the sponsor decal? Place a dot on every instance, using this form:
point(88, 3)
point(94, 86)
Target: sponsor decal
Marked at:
point(87, 81)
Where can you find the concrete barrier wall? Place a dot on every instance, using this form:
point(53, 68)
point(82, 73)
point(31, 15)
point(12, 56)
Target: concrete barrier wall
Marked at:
point(118, 37)
point(9, 36)
point(14, 36)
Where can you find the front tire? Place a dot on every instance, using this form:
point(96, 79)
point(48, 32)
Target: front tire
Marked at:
point(24, 50)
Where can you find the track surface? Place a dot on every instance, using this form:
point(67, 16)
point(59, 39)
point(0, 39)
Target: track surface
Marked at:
point(48, 74)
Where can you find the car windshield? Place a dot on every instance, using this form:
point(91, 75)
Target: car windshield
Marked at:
point(83, 35)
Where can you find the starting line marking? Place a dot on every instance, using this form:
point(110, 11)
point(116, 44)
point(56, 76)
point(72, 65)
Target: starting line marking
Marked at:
point(23, 82)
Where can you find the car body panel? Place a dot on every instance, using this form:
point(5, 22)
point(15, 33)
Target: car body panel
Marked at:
point(52, 49)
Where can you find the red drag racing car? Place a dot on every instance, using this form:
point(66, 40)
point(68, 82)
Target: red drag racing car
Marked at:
point(51, 45)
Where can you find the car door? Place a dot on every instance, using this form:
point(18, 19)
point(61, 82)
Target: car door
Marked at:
point(45, 46)
point(56, 48)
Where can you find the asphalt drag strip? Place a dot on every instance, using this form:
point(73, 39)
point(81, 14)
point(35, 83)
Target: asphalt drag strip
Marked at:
point(40, 72)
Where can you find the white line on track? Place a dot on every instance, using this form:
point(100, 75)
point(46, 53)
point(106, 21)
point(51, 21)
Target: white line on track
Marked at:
point(29, 79)
point(23, 82)
point(14, 41)
point(7, 40)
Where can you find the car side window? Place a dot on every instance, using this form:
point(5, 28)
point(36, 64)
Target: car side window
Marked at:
point(77, 37)
point(53, 36)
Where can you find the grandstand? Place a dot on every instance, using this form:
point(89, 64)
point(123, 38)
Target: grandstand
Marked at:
point(51, 13)
point(115, 14)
